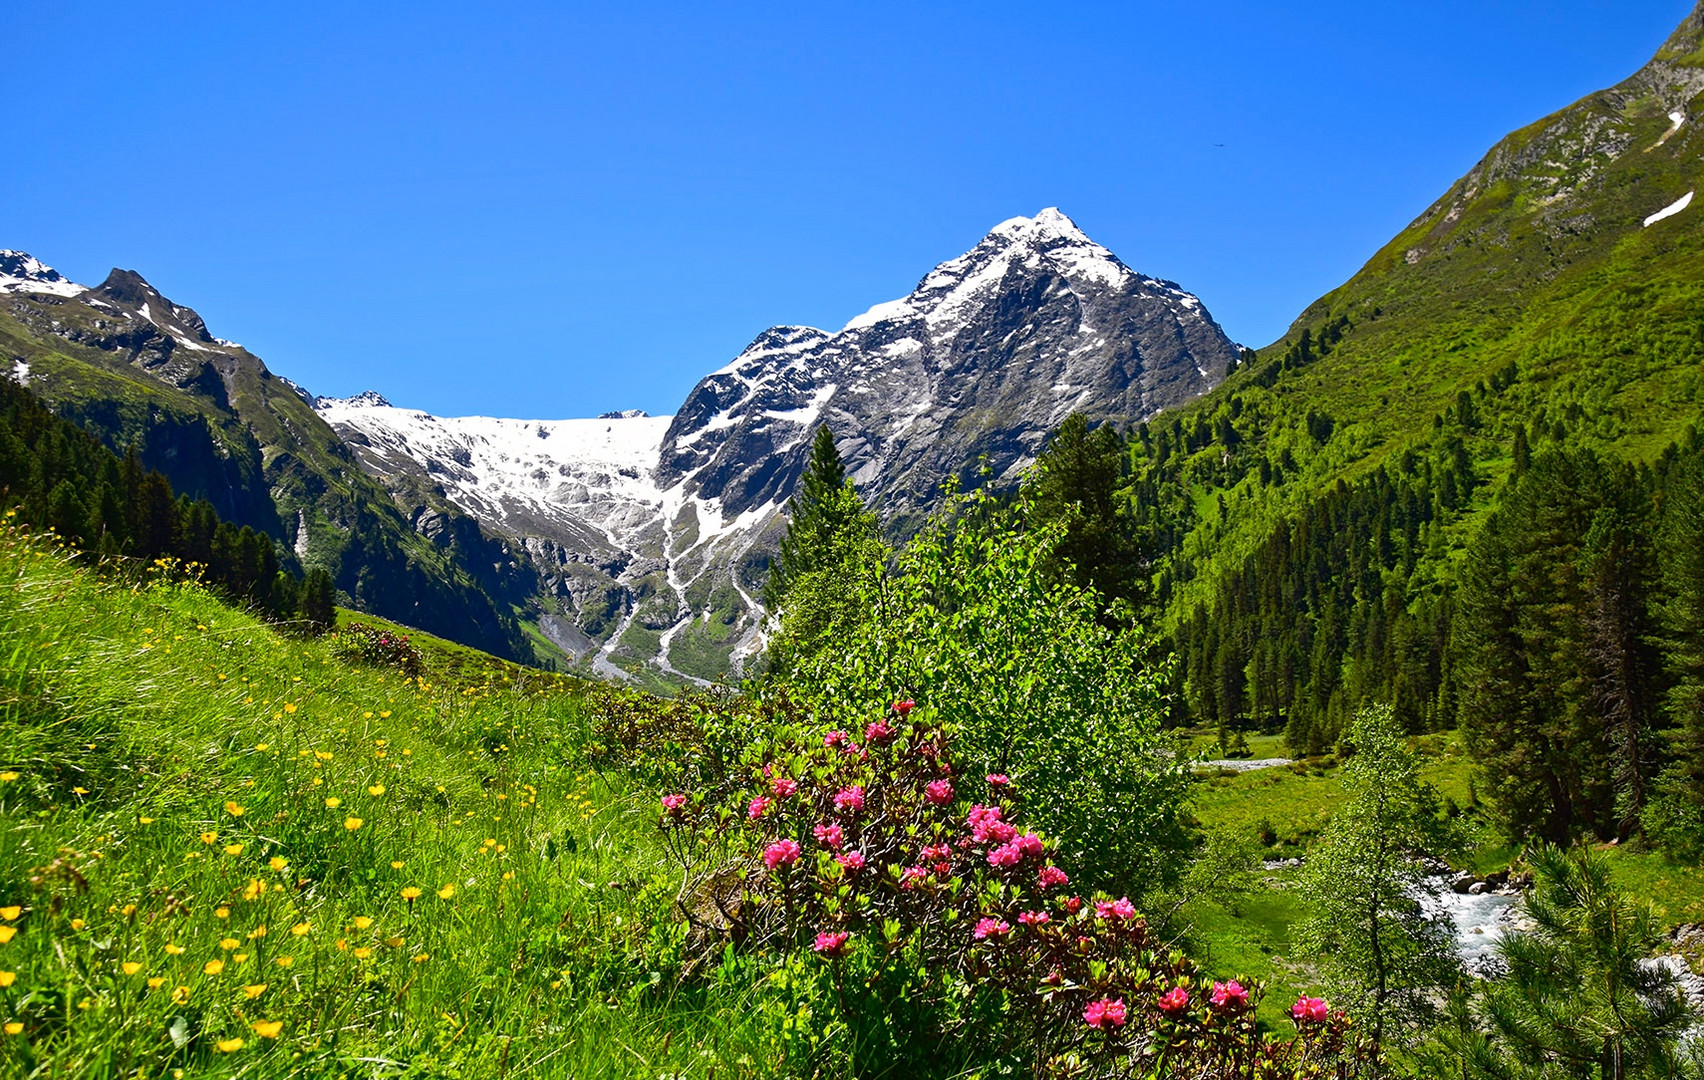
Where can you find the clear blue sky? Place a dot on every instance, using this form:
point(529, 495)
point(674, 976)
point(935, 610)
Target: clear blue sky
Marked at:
point(547, 210)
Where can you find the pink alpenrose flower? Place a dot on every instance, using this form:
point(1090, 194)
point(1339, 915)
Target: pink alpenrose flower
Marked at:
point(830, 836)
point(1033, 918)
point(1121, 908)
point(780, 853)
point(904, 708)
point(1051, 876)
point(998, 780)
point(939, 792)
point(1310, 1010)
point(1229, 995)
point(849, 799)
point(1174, 1001)
point(674, 804)
point(757, 807)
point(877, 732)
point(991, 928)
point(851, 861)
point(831, 944)
point(1105, 1013)
point(783, 787)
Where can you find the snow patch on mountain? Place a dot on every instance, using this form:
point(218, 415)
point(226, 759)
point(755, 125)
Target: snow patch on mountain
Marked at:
point(21, 272)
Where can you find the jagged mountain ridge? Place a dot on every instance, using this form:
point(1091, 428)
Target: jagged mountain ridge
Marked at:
point(132, 367)
point(652, 534)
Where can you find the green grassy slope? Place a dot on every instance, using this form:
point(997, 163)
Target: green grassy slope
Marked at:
point(211, 829)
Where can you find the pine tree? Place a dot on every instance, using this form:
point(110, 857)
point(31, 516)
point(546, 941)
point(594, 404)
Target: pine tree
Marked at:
point(812, 515)
point(1076, 481)
point(1580, 998)
point(830, 559)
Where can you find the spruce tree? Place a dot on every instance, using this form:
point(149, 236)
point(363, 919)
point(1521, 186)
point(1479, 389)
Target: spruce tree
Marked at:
point(1076, 481)
point(830, 559)
point(814, 514)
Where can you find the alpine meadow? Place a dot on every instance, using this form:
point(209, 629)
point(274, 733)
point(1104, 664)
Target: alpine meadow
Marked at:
point(1025, 679)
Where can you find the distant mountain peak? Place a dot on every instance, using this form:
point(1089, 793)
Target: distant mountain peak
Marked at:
point(21, 272)
point(624, 414)
point(366, 399)
point(130, 291)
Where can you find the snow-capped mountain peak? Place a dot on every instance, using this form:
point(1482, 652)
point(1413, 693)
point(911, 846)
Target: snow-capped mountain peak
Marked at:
point(1033, 323)
point(366, 399)
point(21, 272)
point(651, 534)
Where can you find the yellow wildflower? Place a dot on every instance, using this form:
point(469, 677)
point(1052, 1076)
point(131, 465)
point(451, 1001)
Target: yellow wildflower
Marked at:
point(446, 892)
point(7, 933)
point(233, 849)
point(10, 912)
point(278, 862)
point(254, 990)
point(410, 893)
point(285, 961)
point(229, 943)
point(130, 967)
point(226, 1046)
point(77, 924)
point(209, 837)
point(363, 953)
point(174, 950)
point(233, 809)
point(14, 1028)
point(7, 978)
point(362, 922)
point(376, 789)
point(8, 777)
point(333, 803)
point(213, 967)
point(352, 823)
point(222, 912)
point(156, 982)
point(300, 929)
point(267, 1029)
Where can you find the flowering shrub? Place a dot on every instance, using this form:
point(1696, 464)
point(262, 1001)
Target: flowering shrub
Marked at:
point(931, 920)
point(370, 645)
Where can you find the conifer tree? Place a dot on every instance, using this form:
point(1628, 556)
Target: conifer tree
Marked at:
point(1580, 997)
point(1076, 481)
point(830, 558)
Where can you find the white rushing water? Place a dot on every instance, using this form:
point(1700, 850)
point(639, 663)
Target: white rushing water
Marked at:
point(1480, 923)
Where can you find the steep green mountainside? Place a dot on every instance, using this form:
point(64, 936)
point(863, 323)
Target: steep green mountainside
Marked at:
point(1345, 468)
point(131, 367)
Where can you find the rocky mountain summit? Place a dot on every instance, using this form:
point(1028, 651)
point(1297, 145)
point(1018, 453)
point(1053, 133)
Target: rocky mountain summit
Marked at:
point(988, 354)
point(651, 534)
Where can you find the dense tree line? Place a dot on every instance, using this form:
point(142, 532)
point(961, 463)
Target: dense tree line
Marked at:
point(56, 476)
point(1556, 615)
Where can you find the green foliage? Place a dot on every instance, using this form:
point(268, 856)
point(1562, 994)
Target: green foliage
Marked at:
point(1364, 882)
point(55, 476)
point(1075, 483)
point(972, 621)
point(1580, 997)
point(1555, 672)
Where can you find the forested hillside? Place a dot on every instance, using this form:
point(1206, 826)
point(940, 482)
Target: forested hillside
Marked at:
point(1491, 425)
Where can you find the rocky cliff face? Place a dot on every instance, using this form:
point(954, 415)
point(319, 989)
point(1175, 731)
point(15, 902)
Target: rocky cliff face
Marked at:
point(986, 356)
point(651, 535)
